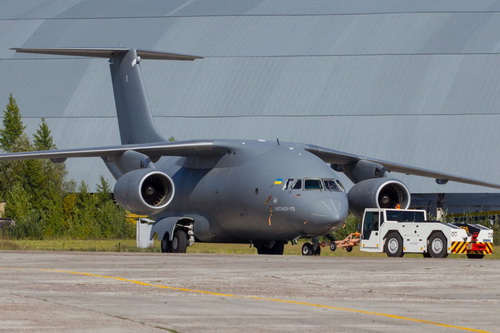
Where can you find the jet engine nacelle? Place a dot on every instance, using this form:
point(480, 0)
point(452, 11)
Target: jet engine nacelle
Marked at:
point(378, 193)
point(144, 191)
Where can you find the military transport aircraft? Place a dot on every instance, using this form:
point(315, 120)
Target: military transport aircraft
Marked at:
point(265, 193)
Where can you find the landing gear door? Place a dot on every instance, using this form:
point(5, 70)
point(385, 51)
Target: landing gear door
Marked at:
point(370, 237)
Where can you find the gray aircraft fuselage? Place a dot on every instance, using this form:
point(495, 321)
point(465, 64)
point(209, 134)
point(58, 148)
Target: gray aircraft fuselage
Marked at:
point(242, 195)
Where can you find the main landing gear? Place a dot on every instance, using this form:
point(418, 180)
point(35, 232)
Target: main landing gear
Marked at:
point(183, 237)
point(274, 247)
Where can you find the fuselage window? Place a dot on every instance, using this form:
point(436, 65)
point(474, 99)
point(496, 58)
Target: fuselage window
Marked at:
point(313, 184)
point(292, 184)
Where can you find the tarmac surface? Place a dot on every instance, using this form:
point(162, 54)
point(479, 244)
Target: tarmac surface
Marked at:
point(131, 292)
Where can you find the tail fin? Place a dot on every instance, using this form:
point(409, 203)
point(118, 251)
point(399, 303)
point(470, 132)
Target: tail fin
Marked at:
point(132, 106)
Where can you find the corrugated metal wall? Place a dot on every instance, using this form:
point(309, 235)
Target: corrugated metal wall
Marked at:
point(417, 82)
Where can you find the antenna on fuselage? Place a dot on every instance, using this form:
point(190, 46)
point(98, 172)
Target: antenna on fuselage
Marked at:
point(278, 140)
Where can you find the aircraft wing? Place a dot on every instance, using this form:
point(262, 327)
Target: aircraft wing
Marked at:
point(340, 158)
point(181, 148)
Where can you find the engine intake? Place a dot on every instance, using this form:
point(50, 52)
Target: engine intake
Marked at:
point(144, 191)
point(378, 193)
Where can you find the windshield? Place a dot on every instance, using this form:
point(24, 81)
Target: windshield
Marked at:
point(314, 184)
point(405, 216)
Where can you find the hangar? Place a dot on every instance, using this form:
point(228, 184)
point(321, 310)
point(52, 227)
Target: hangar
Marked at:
point(415, 82)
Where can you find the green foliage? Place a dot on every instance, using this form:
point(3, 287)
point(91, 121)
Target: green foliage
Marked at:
point(43, 138)
point(40, 199)
point(492, 222)
point(94, 215)
point(20, 206)
point(13, 126)
point(351, 225)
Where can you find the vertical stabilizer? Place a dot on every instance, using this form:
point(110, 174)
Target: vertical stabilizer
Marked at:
point(132, 106)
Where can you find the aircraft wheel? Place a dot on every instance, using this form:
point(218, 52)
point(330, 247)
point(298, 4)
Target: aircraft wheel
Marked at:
point(275, 247)
point(278, 248)
point(333, 246)
point(393, 245)
point(436, 245)
point(475, 256)
point(426, 254)
point(262, 249)
point(179, 242)
point(307, 249)
point(348, 249)
point(317, 252)
point(166, 244)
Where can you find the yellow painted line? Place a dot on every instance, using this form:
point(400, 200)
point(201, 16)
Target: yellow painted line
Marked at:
point(259, 298)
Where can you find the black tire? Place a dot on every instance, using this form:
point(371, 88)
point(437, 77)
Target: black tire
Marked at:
point(348, 249)
point(475, 256)
point(426, 255)
point(307, 249)
point(278, 248)
point(333, 246)
point(317, 252)
point(166, 244)
point(179, 242)
point(437, 245)
point(262, 249)
point(393, 246)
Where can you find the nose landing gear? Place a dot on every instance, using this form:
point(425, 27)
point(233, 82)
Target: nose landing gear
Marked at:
point(313, 249)
point(348, 243)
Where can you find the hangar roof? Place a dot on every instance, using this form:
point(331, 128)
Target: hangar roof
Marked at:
point(411, 82)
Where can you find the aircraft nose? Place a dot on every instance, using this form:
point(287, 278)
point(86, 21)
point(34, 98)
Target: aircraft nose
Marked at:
point(329, 211)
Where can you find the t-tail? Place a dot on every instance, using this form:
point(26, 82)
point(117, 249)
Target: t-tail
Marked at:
point(135, 118)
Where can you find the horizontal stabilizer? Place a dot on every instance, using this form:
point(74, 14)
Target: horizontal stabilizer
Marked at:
point(107, 53)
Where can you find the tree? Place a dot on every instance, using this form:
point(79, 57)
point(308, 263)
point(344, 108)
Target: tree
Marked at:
point(351, 225)
point(43, 138)
point(13, 127)
point(104, 189)
point(97, 216)
point(21, 210)
point(40, 199)
point(33, 189)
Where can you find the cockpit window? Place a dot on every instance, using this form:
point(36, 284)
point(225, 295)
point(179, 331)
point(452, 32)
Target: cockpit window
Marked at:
point(292, 184)
point(313, 184)
point(342, 188)
point(333, 185)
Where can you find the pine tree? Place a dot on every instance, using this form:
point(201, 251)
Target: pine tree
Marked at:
point(42, 202)
point(104, 189)
point(43, 138)
point(39, 180)
point(13, 127)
